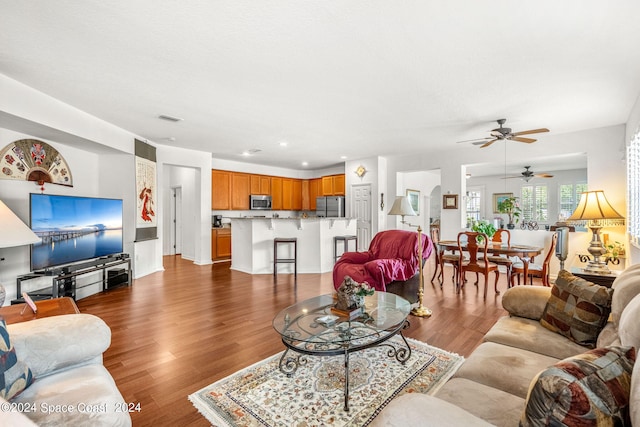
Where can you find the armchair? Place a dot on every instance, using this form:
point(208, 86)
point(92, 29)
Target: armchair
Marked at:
point(390, 264)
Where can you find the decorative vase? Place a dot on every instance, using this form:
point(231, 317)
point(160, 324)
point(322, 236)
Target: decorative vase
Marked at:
point(360, 301)
point(511, 226)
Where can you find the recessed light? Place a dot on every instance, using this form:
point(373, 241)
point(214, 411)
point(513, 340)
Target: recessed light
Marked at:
point(283, 143)
point(246, 153)
point(305, 163)
point(170, 118)
point(343, 157)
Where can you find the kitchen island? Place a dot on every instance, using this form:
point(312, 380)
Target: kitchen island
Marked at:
point(252, 243)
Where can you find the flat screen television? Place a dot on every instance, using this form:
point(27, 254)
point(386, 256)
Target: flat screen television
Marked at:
point(73, 229)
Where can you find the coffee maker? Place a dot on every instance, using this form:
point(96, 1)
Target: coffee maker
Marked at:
point(217, 221)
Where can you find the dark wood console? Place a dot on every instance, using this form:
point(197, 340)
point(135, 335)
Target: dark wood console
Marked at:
point(63, 279)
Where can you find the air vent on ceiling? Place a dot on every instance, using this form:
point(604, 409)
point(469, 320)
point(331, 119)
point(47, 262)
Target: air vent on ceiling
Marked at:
point(169, 118)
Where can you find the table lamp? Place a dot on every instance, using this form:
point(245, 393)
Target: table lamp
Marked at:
point(402, 207)
point(13, 232)
point(595, 212)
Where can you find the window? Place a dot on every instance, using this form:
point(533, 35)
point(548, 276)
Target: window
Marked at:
point(474, 198)
point(569, 198)
point(534, 201)
point(633, 188)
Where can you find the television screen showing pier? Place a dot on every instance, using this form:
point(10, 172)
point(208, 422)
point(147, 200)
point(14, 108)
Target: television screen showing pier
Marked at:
point(74, 229)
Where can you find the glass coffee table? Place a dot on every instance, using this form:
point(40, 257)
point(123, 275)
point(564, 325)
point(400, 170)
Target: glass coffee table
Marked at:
point(309, 328)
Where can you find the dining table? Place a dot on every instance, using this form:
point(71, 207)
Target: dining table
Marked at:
point(524, 252)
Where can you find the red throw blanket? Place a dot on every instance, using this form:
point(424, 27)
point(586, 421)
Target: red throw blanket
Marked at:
point(392, 256)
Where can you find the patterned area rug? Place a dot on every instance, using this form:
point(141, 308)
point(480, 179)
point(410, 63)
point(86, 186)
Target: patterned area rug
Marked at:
point(261, 395)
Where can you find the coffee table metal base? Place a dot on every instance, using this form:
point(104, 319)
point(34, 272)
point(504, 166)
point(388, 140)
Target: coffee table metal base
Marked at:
point(289, 363)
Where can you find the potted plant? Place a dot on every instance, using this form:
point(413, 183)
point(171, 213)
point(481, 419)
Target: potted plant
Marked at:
point(510, 207)
point(484, 227)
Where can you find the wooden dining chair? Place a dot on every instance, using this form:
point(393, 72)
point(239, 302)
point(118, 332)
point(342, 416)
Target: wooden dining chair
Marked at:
point(442, 259)
point(535, 270)
point(501, 237)
point(477, 261)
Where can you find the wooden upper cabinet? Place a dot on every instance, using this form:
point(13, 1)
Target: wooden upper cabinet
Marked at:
point(240, 191)
point(287, 193)
point(220, 190)
point(304, 190)
point(339, 185)
point(260, 184)
point(296, 196)
point(333, 185)
point(315, 187)
point(276, 193)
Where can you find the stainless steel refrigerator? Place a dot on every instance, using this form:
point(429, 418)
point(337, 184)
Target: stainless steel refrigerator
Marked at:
point(330, 206)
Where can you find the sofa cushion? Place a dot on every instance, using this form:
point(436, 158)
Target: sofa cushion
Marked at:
point(577, 309)
point(413, 409)
point(482, 401)
point(589, 389)
point(506, 368)
point(530, 335)
point(88, 393)
point(16, 375)
point(629, 328)
point(526, 301)
point(634, 399)
point(626, 287)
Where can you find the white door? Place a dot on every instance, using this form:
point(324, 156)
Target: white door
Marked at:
point(176, 221)
point(361, 210)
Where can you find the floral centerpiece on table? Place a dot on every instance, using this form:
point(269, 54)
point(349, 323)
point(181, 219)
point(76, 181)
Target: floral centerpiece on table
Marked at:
point(351, 294)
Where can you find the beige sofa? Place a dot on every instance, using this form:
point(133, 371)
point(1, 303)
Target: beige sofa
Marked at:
point(491, 386)
point(71, 387)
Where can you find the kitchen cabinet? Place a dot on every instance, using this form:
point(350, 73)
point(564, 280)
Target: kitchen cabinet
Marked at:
point(296, 196)
point(306, 202)
point(276, 193)
point(315, 187)
point(240, 190)
point(260, 184)
point(287, 194)
point(333, 185)
point(220, 190)
point(220, 243)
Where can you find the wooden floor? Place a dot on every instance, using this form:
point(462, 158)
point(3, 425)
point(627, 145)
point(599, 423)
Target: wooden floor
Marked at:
point(177, 331)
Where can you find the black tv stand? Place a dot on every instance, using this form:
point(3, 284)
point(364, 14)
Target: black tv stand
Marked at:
point(63, 279)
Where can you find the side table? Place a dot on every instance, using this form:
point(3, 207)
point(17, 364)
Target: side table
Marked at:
point(46, 308)
point(597, 278)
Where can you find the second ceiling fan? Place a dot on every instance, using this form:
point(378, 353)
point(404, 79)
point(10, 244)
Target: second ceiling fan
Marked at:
point(528, 174)
point(504, 133)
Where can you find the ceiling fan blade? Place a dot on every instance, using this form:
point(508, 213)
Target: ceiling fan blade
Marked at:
point(486, 144)
point(512, 177)
point(520, 139)
point(543, 175)
point(473, 140)
point(529, 132)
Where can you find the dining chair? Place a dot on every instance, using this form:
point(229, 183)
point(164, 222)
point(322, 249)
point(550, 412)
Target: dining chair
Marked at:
point(501, 237)
point(535, 270)
point(442, 259)
point(476, 246)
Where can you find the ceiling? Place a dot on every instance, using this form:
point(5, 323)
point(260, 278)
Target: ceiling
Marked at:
point(332, 79)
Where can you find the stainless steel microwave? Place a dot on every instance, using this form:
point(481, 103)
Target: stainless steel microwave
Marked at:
point(257, 202)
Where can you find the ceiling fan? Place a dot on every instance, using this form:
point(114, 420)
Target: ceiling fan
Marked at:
point(527, 175)
point(503, 133)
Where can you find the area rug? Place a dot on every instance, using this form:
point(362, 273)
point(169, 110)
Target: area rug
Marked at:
point(261, 395)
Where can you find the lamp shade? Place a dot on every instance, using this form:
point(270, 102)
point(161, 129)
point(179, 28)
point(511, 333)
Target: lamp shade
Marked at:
point(594, 206)
point(14, 232)
point(401, 206)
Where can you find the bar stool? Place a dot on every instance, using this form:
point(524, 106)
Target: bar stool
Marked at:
point(345, 240)
point(294, 260)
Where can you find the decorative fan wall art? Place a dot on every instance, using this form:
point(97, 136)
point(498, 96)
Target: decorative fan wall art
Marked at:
point(34, 160)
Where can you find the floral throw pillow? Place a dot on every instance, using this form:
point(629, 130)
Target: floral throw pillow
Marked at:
point(590, 389)
point(15, 374)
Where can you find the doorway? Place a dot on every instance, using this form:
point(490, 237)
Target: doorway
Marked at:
point(361, 209)
point(176, 221)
